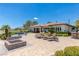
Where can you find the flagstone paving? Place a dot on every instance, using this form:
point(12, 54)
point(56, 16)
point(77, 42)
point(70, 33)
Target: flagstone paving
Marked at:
point(38, 47)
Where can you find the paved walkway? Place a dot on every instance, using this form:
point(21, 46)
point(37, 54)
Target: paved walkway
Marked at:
point(39, 47)
point(3, 50)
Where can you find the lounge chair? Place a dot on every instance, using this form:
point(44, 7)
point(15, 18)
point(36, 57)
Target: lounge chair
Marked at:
point(45, 37)
point(39, 35)
point(51, 38)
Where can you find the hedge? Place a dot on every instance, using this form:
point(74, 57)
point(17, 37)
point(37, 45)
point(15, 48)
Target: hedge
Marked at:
point(63, 34)
point(68, 51)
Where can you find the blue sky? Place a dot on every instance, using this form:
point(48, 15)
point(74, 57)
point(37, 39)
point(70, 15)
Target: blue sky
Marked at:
point(17, 14)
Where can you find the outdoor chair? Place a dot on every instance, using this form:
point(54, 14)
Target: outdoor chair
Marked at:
point(51, 38)
point(45, 37)
point(39, 35)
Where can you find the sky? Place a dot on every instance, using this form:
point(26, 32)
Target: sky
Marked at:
point(16, 14)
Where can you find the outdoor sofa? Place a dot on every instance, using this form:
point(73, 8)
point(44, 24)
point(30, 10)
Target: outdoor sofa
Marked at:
point(13, 43)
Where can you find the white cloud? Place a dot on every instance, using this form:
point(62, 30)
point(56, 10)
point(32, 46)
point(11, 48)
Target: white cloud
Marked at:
point(35, 18)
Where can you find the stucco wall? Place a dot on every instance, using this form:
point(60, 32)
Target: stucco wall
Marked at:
point(64, 28)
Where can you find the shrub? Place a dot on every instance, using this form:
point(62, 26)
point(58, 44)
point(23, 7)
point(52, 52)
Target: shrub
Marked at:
point(71, 51)
point(6, 34)
point(62, 32)
point(59, 53)
point(3, 37)
point(68, 51)
point(65, 34)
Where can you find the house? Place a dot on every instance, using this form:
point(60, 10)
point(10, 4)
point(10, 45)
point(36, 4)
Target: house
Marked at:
point(58, 27)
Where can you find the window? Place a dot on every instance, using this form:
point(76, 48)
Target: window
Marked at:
point(60, 28)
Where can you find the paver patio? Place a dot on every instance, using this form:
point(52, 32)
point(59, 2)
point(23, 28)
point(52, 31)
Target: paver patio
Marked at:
point(38, 47)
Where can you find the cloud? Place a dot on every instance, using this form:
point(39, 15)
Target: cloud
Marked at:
point(35, 18)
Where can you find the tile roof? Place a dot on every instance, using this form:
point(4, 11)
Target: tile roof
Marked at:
point(50, 24)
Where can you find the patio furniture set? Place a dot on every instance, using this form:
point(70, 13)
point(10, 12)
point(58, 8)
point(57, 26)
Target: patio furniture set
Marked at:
point(47, 37)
